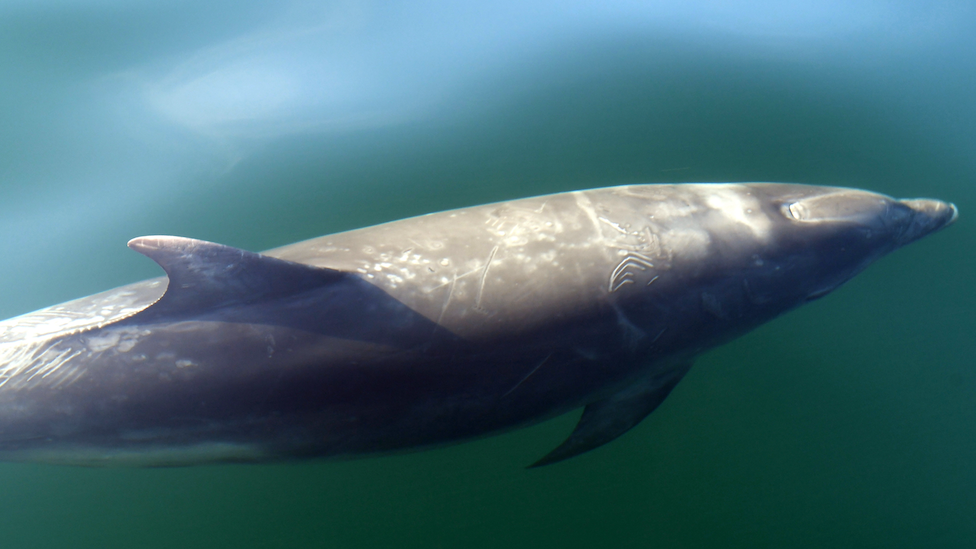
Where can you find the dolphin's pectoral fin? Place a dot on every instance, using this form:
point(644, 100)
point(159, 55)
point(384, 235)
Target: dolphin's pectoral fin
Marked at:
point(607, 419)
point(205, 276)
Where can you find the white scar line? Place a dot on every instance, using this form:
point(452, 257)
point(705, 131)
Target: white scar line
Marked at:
point(484, 275)
point(526, 376)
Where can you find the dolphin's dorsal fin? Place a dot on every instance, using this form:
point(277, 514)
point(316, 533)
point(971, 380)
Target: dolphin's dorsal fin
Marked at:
point(607, 419)
point(207, 276)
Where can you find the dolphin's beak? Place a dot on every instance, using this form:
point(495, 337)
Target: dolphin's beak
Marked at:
point(905, 221)
point(929, 217)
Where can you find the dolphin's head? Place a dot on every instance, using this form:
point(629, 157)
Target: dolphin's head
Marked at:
point(823, 236)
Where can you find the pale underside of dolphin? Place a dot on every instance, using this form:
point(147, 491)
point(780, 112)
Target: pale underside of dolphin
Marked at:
point(431, 330)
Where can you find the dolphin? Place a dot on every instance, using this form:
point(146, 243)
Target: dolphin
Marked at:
point(431, 330)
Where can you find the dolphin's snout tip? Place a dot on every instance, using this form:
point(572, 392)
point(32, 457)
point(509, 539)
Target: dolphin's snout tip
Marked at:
point(929, 216)
point(939, 213)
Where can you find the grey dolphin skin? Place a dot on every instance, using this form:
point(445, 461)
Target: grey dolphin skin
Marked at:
point(430, 330)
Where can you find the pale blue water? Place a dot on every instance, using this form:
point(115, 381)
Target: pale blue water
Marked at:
point(850, 422)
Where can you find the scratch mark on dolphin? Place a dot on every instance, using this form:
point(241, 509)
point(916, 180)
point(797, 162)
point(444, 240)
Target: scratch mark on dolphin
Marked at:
point(456, 278)
point(450, 294)
point(616, 226)
point(484, 275)
point(583, 202)
point(526, 376)
point(621, 275)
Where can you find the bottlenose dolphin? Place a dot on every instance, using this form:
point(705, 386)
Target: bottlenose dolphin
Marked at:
point(433, 329)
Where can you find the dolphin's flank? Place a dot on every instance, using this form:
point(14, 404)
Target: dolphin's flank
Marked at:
point(431, 330)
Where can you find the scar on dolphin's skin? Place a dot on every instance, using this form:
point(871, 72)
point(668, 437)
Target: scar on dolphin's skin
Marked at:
point(621, 275)
point(528, 375)
point(484, 275)
point(616, 226)
point(450, 294)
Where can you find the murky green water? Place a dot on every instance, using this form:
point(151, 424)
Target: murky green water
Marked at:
point(850, 422)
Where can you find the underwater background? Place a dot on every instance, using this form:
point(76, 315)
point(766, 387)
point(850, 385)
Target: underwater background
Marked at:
point(850, 422)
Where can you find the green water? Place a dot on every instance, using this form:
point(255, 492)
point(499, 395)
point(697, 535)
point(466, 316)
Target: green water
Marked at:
point(848, 423)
